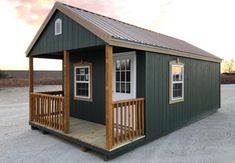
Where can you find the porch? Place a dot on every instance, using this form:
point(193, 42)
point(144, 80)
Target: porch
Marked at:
point(123, 119)
point(48, 112)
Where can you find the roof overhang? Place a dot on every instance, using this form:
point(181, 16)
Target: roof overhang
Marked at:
point(134, 45)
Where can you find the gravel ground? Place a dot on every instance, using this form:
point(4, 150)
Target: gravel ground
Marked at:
point(209, 140)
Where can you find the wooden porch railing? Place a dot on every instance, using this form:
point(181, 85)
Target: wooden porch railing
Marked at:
point(47, 108)
point(128, 120)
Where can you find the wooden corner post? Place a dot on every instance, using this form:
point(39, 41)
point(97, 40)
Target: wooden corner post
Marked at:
point(66, 92)
point(108, 95)
point(31, 81)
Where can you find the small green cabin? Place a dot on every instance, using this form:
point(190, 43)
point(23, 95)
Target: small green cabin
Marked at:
point(123, 86)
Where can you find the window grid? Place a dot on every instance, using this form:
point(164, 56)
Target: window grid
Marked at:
point(123, 76)
point(82, 82)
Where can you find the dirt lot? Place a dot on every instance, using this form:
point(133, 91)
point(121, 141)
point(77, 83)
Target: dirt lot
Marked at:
point(209, 140)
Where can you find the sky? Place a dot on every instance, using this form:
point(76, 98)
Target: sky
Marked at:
point(208, 24)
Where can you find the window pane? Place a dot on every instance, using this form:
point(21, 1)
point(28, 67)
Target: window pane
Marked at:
point(77, 71)
point(123, 76)
point(177, 90)
point(86, 70)
point(123, 64)
point(117, 87)
point(86, 92)
point(82, 77)
point(118, 65)
point(177, 73)
point(82, 89)
point(78, 92)
point(82, 71)
point(86, 77)
point(77, 77)
point(128, 76)
point(128, 88)
point(122, 87)
point(128, 64)
point(117, 76)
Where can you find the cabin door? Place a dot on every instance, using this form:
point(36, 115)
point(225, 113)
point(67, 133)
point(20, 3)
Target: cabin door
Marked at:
point(124, 76)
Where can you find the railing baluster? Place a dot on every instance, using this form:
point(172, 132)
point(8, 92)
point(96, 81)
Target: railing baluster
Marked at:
point(63, 115)
point(43, 111)
point(129, 120)
point(133, 117)
point(121, 119)
point(125, 121)
point(113, 128)
point(142, 110)
point(58, 114)
point(136, 119)
point(139, 120)
point(53, 113)
point(48, 109)
point(37, 108)
point(117, 137)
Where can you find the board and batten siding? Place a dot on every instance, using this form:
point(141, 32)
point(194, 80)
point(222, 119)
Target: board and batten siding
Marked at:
point(201, 93)
point(73, 36)
point(94, 110)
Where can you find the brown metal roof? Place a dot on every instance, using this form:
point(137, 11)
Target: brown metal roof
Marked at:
point(117, 33)
point(124, 31)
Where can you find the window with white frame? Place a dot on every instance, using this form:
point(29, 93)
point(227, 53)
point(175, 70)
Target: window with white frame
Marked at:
point(176, 82)
point(82, 81)
point(58, 26)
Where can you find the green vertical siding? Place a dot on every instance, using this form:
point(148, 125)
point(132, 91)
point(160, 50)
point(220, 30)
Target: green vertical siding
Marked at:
point(201, 94)
point(94, 110)
point(140, 74)
point(73, 36)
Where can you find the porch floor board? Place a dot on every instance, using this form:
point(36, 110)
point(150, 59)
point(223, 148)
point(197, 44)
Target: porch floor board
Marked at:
point(89, 132)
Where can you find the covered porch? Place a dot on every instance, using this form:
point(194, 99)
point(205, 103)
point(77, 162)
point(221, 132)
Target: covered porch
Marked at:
point(50, 111)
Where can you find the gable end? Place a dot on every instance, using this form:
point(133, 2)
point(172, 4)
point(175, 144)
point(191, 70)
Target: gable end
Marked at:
point(73, 36)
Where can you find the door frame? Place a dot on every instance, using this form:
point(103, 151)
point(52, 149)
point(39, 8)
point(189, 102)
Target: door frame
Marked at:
point(125, 55)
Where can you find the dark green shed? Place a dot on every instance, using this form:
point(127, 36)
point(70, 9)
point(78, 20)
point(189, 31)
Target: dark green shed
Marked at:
point(123, 85)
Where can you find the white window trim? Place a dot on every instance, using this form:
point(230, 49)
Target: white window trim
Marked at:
point(59, 22)
point(83, 65)
point(123, 96)
point(171, 82)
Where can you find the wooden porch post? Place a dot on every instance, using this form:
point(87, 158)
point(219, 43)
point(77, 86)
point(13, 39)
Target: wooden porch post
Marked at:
point(108, 95)
point(66, 92)
point(31, 89)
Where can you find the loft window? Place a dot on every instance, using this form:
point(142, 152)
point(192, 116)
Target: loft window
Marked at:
point(82, 81)
point(58, 26)
point(176, 82)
